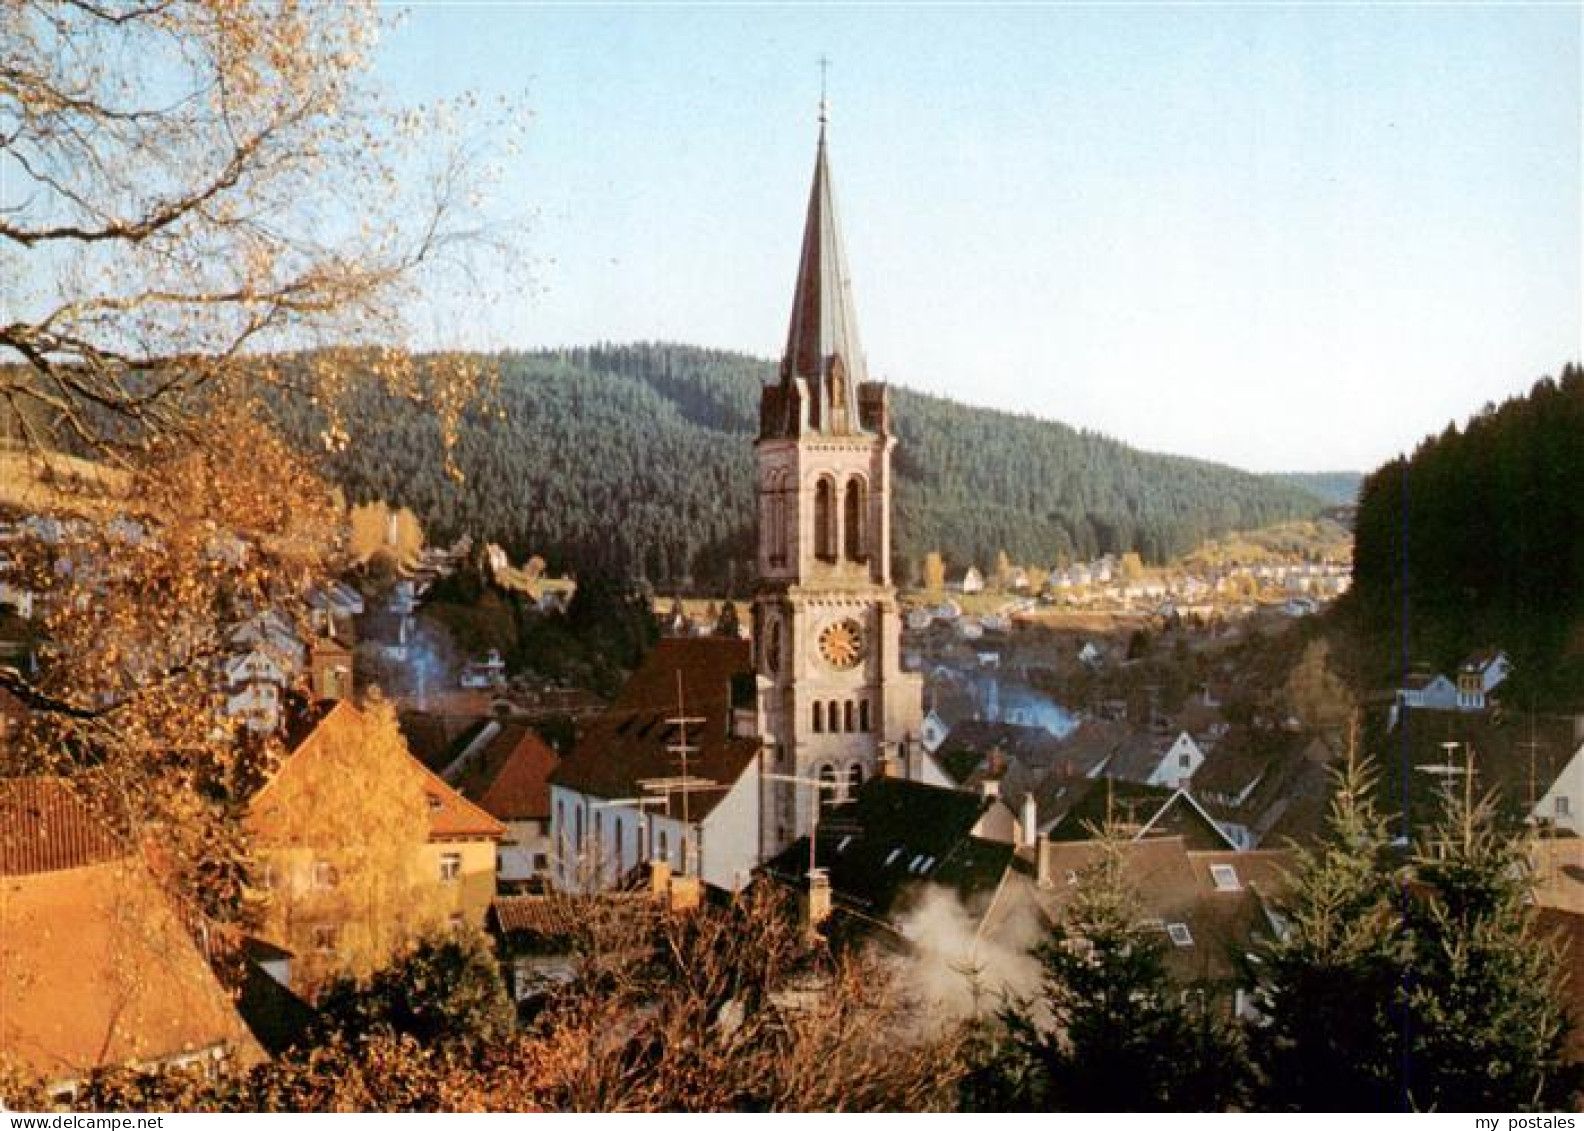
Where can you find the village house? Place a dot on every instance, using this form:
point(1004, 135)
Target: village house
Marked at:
point(877, 852)
point(1561, 807)
point(670, 772)
point(98, 969)
point(1080, 808)
point(505, 770)
point(1211, 908)
point(255, 688)
point(362, 848)
point(1266, 785)
point(1150, 760)
point(329, 668)
point(1478, 676)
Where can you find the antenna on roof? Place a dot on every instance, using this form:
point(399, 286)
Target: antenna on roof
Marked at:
point(680, 749)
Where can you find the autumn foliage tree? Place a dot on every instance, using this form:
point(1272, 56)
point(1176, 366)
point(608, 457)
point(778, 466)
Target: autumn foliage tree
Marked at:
point(205, 208)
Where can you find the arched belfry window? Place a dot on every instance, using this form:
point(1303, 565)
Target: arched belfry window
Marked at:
point(825, 520)
point(853, 520)
point(776, 518)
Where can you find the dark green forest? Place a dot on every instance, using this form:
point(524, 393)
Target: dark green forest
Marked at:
point(638, 459)
point(1477, 540)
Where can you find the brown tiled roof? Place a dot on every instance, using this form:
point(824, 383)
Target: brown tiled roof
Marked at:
point(1092, 743)
point(548, 915)
point(1247, 754)
point(45, 827)
point(510, 777)
point(96, 969)
point(1174, 885)
point(627, 745)
point(1137, 757)
point(451, 816)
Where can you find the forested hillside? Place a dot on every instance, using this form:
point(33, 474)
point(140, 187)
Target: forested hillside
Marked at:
point(639, 458)
point(1478, 540)
point(1339, 488)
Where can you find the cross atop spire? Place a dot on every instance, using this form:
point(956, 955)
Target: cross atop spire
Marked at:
point(822, 341)
point(824, 111)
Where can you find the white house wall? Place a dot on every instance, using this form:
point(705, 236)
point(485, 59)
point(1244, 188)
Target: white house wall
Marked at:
point(1569, 787)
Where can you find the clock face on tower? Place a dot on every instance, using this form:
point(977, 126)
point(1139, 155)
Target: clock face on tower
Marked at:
point(841, 644)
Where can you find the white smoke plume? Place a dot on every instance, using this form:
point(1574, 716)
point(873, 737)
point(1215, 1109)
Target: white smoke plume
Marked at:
point(965, 962)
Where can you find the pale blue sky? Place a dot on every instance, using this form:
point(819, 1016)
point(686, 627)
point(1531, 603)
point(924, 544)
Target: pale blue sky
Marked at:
point(1282, 237)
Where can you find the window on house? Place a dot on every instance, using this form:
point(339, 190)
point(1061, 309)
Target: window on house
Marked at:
point(450, 867)
point(1225, 877)
point(1184, 761)
point(1180, 935)
point(863, 715)
point(819, 718)
point(325, 874)
point(541, 861)
point(833, 716)
point(854, 778)
point(847, 717)
point(324, 938)
point(1561, 805)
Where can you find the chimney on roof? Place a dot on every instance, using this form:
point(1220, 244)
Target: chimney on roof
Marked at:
point(819, 900)
point(1030, 820)
point(990, 786)
point(660, 879)
point(687, 892)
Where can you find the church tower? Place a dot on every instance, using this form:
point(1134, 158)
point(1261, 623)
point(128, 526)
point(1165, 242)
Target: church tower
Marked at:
point(833, 702)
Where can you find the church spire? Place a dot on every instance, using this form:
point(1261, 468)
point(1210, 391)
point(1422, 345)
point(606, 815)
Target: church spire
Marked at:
point(822, 341)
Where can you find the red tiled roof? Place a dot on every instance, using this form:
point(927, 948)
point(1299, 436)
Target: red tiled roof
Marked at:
point(510, 777)
point(45, 827)
point(628, 744)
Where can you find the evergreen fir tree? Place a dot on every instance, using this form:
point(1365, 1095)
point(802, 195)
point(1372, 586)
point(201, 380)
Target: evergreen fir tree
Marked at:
point(1488, 1027)
point(1329, 985)
point(1117, 1033)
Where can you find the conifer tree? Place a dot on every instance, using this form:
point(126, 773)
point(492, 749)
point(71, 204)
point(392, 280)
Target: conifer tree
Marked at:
point(1488, 1027)
point(1329, 984)
point(1117, 1033)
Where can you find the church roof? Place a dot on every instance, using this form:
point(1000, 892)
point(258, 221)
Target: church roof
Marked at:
point(893, 837)
point(824, 386)
point(824, 321)
point(632, 743)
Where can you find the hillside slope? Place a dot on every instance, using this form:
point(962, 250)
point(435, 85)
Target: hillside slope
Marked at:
point(1477, 541)
point(639, 458)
